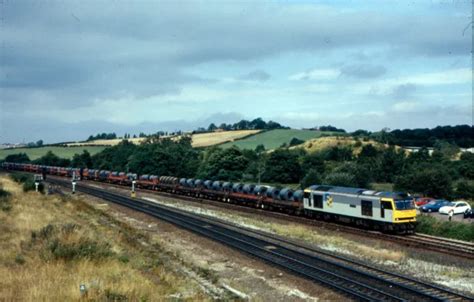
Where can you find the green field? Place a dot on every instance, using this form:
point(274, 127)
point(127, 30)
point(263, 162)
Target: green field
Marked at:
point(274, 138)
point(64, 152)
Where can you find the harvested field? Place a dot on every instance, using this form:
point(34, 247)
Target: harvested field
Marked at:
point(198, 140)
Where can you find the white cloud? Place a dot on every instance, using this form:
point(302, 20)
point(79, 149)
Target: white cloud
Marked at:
point(407, 106)
point(316, 74)
point(452, 76)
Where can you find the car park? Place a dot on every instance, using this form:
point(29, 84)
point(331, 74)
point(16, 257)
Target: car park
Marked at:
point(421, 201)
point(434, 205)
point(456, 207)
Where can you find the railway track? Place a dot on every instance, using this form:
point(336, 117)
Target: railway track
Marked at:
point(451, 247)
point(356, 280)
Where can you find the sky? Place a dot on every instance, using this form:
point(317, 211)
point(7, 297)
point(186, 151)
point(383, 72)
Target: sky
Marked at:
point(74, 68)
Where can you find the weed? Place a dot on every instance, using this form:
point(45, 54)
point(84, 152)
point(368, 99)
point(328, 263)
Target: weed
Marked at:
point(19, 259)
point(113, 296)
point(45, 232)
point(85, 248)
point(5, 204)
point(450, 229)
point(124, 258)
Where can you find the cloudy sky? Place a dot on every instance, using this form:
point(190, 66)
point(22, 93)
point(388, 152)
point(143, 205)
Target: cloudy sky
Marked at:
point(73, 68)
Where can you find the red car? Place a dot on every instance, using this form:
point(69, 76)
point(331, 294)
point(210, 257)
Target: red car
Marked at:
point(421, 201)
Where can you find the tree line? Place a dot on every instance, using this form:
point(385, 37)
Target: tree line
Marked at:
point(255, 124)
point(436, 175)
point(461, 135)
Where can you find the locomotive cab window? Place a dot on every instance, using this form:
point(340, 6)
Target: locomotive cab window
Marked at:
point(387, 205)
point(366, 207)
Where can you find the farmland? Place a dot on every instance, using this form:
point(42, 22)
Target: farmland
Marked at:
point(275, 138)
point(214, 138)
point(198, 140)
point(64, 152)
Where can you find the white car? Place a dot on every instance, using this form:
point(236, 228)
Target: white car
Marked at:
point(457, 207)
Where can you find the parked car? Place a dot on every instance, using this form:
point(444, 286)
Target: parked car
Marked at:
point(421, 201)
point(434, 205)
point(469, 213)
point(457, 207)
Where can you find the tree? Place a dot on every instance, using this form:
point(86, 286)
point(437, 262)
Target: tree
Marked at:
point(429, 180)
point(340, 179)
point(212, 127)
point(39, 143)
point(51, 159)
point(260, 148)
point(296, 141)
point(83, 160)
point(445, 150)
point(392, 164)
point(338, 153)
point(282, 166)
point(313, 177)
point(313, 161)
point(361, 133)
point(20, 158)
point(164, 157)
point(466, 165)
point(464, 190)
point(368, 151)
point(223, 164)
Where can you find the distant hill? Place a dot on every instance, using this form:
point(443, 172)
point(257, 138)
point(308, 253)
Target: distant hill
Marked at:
point(319, 144)
point(63, 152)
point(198, 140)
point(275, 138)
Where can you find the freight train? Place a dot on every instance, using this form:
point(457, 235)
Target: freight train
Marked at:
point(384, 211)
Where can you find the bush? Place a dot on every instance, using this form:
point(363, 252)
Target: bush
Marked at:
point(449, 229)
point(54, 240)
point(19, 177)
point(19, 259)
point(313, 177)
point(85, 248)
point(296, 141)
point(428, 180)
point(340, 179)
point(464, 190)
point(29, 185)
point(5, 204)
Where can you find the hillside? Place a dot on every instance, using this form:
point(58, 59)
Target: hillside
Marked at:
point(318, 144)
point(214, 138)
point(64, 152)
point(275, 138)
point(198, 140)
point(51, 244)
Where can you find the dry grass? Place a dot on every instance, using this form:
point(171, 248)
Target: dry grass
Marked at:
point(106, 142)
point(319, 144)
point(49, 247)
point(214, 138)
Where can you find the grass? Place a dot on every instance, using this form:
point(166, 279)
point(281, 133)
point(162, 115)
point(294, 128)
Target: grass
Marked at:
point(64, 152)
point(274, 138)
point(48, 248)
point(449, 229)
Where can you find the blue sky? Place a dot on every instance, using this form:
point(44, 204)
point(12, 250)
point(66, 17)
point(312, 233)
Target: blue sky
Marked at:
point(70, 69)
